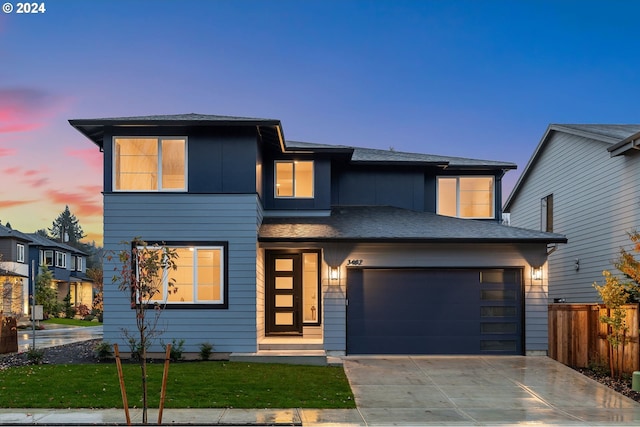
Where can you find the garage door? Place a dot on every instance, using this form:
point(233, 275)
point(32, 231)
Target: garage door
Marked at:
point(420, 311)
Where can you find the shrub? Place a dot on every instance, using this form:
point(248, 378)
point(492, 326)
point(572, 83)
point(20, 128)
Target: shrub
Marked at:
point(205, 350)
point(82, 310)
point(35, 355)
point(176, 351)
point(103, 351)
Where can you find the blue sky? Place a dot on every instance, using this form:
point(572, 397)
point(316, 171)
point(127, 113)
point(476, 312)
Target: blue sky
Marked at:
point(479, 79)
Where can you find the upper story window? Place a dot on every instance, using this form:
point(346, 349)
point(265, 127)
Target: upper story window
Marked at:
point(198, 279)
point(46, 258)
point(294, 179)
point(466, 196)
point(79, 262)
point(546, 213)
point(150, 164)
point(61, 259)
point(20, 253)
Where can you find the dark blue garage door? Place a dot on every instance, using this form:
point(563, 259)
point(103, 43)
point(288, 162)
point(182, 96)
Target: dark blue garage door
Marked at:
point(432, 311)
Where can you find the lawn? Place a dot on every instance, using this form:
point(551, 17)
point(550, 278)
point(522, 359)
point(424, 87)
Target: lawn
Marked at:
point(71, 322)
point(190, 385)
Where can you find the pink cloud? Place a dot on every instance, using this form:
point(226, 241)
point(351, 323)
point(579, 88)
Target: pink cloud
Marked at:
point(37, 183)
point(6, 152)
point(82, 204)
point(12, 171)
point(12, 203)
point(23, 109)
point(90, 156)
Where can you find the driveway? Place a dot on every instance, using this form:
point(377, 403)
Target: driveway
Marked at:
point(479, 390)
point(55, 335)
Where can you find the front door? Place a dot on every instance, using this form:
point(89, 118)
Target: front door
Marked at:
point(283, 293)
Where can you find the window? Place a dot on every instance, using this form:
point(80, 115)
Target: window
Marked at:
point(546, 213)
point(20, 253)
point(78, 263)
point(46, 258)
point(199, 277)
point(150, 164)
point(61, 259)
point(466, 196)
point(294, 179)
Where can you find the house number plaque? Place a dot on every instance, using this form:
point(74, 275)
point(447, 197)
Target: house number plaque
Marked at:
point(354, 262)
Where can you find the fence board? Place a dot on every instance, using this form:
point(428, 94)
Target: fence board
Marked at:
point(577, 338)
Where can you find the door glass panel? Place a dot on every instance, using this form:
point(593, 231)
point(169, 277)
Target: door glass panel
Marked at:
point(310, 286)
point(498, 328)
point(284, 282)
point(498, 345)
point(285, 264)
point(284, 319)
point(284, 300)
point(497, 311)
point(498, 294)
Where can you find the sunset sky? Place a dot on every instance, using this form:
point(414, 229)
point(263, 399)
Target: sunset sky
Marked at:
point(478, 79)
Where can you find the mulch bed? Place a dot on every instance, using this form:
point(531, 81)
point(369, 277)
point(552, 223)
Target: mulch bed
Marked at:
point(622, 386)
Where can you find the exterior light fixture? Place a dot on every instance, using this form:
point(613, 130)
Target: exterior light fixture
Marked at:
point(536, 273)
point(334, 273)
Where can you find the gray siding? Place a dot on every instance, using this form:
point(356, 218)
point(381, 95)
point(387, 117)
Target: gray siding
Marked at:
point(595, 202)
point(191, 217)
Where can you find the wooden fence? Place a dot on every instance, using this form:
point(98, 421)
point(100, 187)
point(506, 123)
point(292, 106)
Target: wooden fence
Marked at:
point(577, 338)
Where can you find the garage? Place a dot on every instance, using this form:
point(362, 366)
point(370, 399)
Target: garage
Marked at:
point(435, 311)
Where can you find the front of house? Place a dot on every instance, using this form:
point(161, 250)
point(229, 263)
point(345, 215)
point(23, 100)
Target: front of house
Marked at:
point(291, 246)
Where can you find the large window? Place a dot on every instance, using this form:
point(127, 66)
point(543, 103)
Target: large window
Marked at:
point(294, 179)
point(149, 164)
point(198, 279)
point(61, 259)
point(466, 196)
point(46, 258)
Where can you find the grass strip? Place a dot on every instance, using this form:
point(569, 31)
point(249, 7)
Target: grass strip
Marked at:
point(211, 384)
point(71, 322)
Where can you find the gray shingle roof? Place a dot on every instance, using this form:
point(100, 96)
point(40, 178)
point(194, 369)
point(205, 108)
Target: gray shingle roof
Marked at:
point(8, 232)
point(39, 240)
point(384, 223)
point(614, 132)
point(372, 155)
point(190, 117)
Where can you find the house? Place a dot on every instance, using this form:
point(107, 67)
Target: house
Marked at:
point(581, 181)
point(14, 272)
point(68, 267)
point(294, 246)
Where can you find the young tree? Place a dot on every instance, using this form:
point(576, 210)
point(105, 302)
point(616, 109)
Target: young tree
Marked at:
point(66, 228)
point(142, 275)
point(46, 295)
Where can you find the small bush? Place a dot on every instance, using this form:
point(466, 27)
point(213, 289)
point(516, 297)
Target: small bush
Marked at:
point(176, 351)
point(103, 351)
point(82, 310)
point(35, 355)
point(205, 350)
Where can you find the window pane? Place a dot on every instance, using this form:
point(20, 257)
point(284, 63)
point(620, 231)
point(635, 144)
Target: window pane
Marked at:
point(209, 275)
point(173, 172)
point(304, 179)
point(284, 264)
point(476, 197)
point(284, 179)
point(497, 311)
point(310, 286)
point(182, 291)
point(136, 163)
point(447, 196)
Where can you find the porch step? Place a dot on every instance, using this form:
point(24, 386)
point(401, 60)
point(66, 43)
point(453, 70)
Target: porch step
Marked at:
point(291, 357)
point(285, 346)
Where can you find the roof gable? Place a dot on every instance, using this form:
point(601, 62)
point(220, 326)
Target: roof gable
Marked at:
point(608, 134)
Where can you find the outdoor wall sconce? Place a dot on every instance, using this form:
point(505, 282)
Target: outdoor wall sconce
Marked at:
point(334, 273)
point(577, 265)
point(536, 273)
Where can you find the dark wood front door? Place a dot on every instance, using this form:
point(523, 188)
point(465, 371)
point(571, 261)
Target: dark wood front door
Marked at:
point(283, 293)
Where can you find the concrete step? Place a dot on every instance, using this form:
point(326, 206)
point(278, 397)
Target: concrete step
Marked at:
point(291, 357)
point(284, 346)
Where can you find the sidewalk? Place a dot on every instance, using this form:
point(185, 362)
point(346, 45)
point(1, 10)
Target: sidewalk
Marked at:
point(203, 417)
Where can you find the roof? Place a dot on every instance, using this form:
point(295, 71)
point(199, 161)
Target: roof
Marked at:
point(94, 128)
point(39, 240)
point(612, 134)
point(390, 224)
point(372, 155)
point(15, 234)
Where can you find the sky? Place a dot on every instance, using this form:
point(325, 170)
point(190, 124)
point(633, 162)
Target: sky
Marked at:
point(477, 79)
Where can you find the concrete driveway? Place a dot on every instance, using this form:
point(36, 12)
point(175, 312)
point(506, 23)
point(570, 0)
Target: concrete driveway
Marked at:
point(479, 390)
point(55, 335)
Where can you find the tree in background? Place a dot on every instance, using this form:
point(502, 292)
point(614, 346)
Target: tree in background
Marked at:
point(66, 228)
point(46, 295)
point(96, 275)
point(42, 232)
point(142, 274)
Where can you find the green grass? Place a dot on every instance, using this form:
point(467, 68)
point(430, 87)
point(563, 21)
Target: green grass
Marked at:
point(190, 385)
point(72, 322)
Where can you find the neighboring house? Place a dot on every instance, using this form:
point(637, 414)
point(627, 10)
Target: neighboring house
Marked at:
point(288, 245)
point(582, 182)
point(14, 272)
point(68, 266)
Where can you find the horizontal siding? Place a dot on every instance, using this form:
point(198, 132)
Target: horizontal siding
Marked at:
point(166, 217)
point(595, 205)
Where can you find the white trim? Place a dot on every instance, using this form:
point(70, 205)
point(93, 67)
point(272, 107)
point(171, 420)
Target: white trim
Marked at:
point(20, 252)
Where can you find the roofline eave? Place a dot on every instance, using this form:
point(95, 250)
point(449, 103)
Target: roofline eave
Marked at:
point(463, 240)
